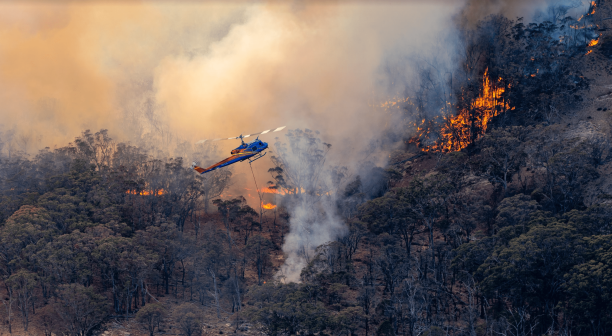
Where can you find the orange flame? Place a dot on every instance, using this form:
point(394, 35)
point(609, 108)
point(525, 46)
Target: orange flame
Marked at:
point(470, 123)
point(146, 192)
point(272, 191)
point(277, 191)
point(268, 206)
point(394, 103)
point(593, 5)
point(269, 191)
point(593, 42)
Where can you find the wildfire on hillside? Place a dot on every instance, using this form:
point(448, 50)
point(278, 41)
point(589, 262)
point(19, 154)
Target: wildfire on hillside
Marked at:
point(457, 132)
point(267, 206)
point(146, 192)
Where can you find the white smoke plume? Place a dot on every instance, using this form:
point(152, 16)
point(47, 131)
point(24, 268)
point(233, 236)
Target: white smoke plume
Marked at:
point(173, 73)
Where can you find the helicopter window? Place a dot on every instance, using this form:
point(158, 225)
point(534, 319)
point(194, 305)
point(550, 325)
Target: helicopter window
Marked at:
point(254, 148)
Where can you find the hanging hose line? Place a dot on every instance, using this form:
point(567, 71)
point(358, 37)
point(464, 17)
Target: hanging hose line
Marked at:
point(258, 194)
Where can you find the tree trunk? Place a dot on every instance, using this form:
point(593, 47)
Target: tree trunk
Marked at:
point(216, 293)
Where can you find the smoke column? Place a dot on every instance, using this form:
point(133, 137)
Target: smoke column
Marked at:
point(169, 73)
point(204, 70)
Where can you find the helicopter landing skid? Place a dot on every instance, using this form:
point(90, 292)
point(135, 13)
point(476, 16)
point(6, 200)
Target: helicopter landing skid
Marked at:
point(257, 157)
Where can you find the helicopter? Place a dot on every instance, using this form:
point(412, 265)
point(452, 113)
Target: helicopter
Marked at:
point(252, 151)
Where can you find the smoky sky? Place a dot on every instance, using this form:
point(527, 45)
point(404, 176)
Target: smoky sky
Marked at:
point(204, 70)
point(218, 69)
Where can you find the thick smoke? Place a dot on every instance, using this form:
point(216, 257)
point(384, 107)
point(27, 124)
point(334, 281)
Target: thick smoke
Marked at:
point(168, 74)
point(202, 71)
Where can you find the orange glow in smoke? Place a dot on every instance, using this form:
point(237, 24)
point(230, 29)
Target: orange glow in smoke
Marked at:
point(273, 191)
point(394, 103)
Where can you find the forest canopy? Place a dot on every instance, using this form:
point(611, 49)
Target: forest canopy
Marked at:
point(510, 234)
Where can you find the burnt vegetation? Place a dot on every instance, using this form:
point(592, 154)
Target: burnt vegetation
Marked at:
point(510, 235)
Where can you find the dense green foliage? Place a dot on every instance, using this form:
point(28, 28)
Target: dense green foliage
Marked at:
point(99, 228)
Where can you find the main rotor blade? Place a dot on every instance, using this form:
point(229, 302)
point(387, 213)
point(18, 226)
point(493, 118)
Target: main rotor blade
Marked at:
point(266, 131)
point(245, 136)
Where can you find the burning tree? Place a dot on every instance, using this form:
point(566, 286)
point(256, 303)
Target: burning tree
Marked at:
point(530, 69)
point(457, 132)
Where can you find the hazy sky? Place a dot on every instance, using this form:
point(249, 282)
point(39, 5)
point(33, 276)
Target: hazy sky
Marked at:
point(215, 69)
point(203, 70)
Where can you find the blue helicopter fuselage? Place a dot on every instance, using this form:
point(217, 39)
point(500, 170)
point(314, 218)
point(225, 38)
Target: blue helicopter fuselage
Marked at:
point(241, 153)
